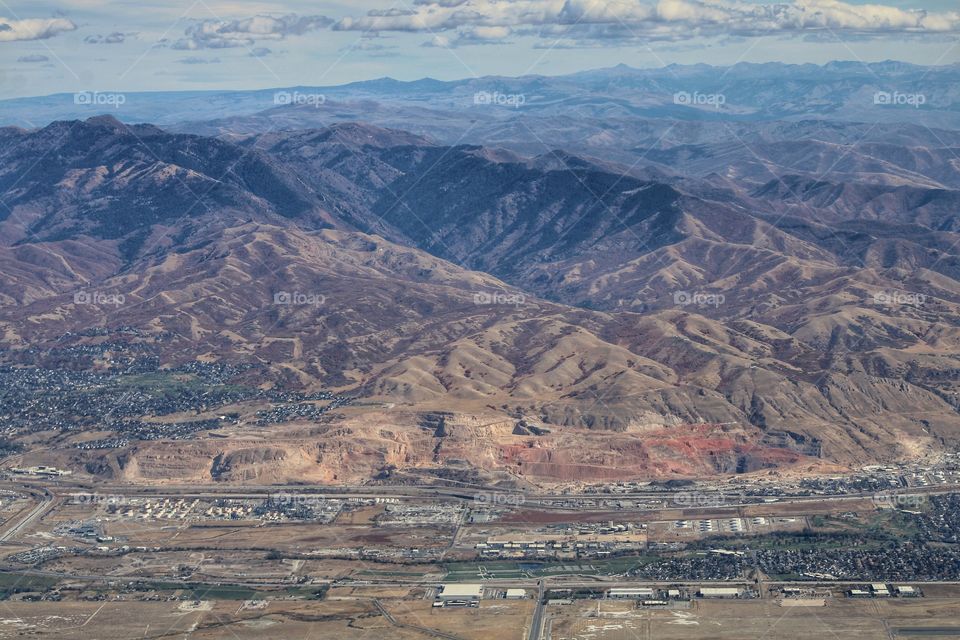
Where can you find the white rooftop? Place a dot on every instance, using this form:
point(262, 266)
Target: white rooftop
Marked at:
point(465, 591)
point(719, 591)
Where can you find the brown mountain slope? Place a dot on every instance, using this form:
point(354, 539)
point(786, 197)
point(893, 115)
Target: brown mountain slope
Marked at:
point(401, 327)
point(802, 355)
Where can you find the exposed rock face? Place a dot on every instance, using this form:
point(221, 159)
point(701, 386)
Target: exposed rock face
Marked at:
point(393, 445)
point(436, 422)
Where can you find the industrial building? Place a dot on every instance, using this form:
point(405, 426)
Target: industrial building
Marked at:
point(631, 593)
point(719, 592)
point(466, 592)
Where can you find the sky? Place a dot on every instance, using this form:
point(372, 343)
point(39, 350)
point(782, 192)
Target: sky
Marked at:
point(160, 45)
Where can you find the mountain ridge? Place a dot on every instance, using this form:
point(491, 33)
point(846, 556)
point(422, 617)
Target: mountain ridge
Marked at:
point(618, 301)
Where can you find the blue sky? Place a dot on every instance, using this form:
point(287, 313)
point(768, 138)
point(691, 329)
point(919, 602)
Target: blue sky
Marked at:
point(96, 45)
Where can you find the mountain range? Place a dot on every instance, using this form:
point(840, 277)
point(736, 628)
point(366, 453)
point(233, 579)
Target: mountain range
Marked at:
point(662, 293)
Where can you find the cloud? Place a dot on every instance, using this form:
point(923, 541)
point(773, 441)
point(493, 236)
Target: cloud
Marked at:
point(33, 29)
point(470, 36)
point(581, 22)
point(482, 35)
point(577, 23)
point(220, 34)
point(33, 58)
point(112, 38)
point(198, 60)
point(369, 45)
point(441, 42)
point(260, 52)
point(442, 3)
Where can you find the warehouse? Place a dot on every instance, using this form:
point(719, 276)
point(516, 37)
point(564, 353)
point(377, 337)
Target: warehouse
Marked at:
point(515, 594)
point(719, 592)
point(465, 592)
point(632, 593)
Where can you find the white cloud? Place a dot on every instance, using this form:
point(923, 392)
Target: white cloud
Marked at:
point(479, 21)
point(198, 60)
point(33, 29)
point(441, 42)
point(111, 38)
point(225, 34)
point(471, 35)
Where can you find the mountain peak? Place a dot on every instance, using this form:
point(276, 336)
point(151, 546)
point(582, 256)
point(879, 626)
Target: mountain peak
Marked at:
point(106, 121)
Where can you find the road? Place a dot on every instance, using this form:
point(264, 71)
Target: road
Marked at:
point(46, 502)
point(536, 625)
point(402, 625)
point(455, 538)
point(530, 499)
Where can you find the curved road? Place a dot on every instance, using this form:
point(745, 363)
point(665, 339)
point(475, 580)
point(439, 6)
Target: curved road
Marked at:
point(46, 503)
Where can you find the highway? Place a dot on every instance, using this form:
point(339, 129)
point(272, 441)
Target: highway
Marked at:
point(529, 500)
point(536, 624)
point(45, 504)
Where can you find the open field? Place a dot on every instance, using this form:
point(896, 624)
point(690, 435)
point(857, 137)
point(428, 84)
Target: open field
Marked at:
point(405, 613)
point(499, 619)
point(188, 530)
point(349, 617)
point(208, 620)
point(744, 620)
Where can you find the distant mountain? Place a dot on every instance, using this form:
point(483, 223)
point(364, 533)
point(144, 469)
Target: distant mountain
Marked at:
point(103, 178)
point(844, 91)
